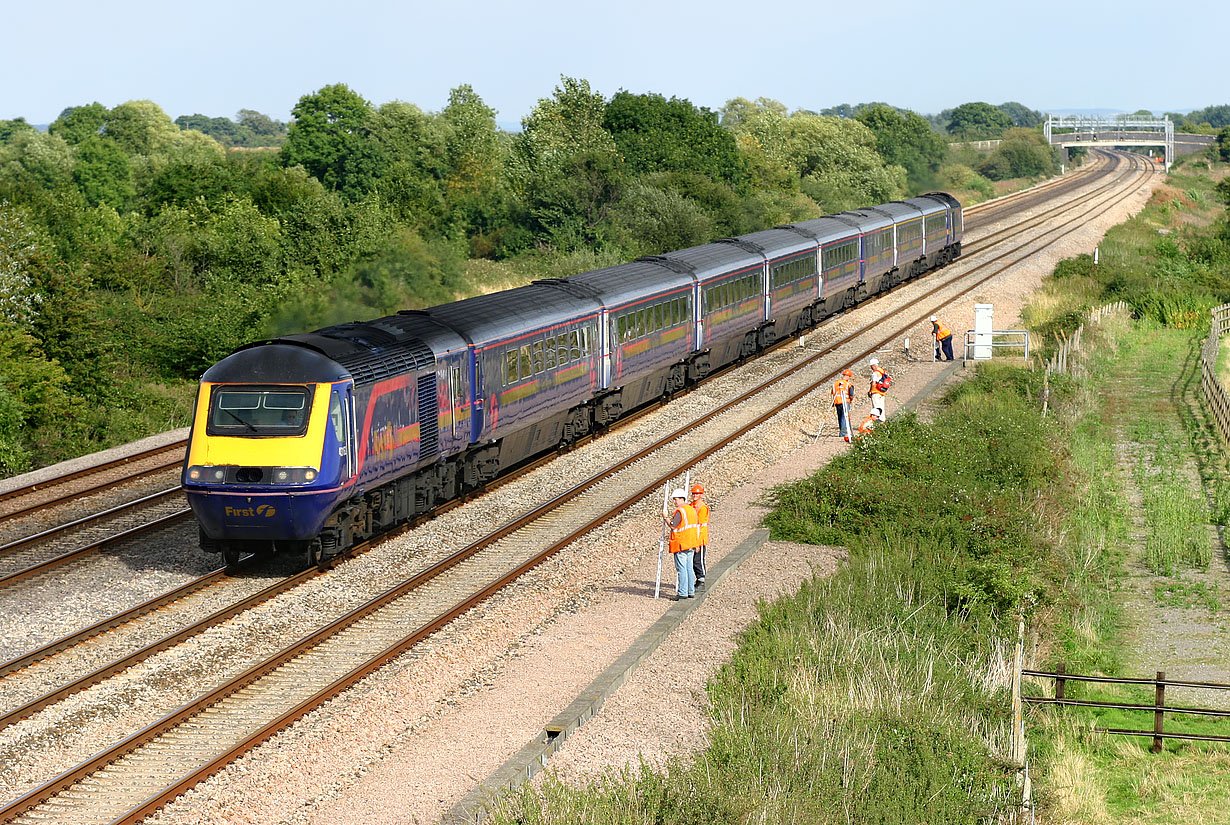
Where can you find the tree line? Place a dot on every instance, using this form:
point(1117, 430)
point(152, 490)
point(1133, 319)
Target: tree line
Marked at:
point(136, 250)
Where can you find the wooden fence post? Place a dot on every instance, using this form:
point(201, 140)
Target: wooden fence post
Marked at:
point(1018, 709)
point(1059, 680)
point(1159, 715)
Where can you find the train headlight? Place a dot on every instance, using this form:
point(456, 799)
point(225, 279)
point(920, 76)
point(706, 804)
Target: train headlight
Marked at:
point(293, 475)
point(207, 474)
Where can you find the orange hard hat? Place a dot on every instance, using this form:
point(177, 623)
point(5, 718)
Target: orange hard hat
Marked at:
point(847, 373)
point(697, 490)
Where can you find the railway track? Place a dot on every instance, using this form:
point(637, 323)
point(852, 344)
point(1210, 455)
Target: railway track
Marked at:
point(301, 675)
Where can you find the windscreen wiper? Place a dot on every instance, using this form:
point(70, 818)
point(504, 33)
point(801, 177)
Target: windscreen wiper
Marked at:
point(242, 421)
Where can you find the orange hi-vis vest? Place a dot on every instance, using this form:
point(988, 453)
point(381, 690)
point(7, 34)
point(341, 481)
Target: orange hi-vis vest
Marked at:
point(702, 524)
point(684, 537)
point(877, 381)
point(841, 392)
point(868, 423)
point(941, 330)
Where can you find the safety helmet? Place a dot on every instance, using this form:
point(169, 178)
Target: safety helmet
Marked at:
point(697, 490)
point(679, 493)
point(873, 362)
point(933, 318)
point(848, 373)
point(878, 412)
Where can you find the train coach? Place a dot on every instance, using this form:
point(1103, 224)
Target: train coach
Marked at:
point(310, 443)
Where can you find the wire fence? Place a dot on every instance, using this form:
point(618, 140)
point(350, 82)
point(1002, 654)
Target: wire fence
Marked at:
point(1215, 396)
point(1158, 709)
point(1067, 346)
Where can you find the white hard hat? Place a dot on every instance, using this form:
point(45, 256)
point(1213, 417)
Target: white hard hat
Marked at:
point(878, 412)
point(679, 493)
point(873, 362)
point(933, 318)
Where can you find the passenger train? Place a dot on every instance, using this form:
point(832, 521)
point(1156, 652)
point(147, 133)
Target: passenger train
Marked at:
point(310, 443)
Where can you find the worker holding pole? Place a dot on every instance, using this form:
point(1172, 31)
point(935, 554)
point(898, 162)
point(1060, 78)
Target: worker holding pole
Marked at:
point(683, 539)
point(843, 399)
point(943, 338)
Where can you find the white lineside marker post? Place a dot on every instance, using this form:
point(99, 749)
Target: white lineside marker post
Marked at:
point(907, 348)
point(657, 585)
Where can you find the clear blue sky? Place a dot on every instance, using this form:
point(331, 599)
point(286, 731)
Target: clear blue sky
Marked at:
point(218, 57)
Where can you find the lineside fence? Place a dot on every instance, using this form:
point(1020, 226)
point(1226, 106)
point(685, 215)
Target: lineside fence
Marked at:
point(1066, 347)
point(1159, 708)
point(1215, 396)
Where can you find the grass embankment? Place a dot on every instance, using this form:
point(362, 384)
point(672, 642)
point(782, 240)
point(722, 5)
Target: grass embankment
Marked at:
point(1155, 559)
point(879, 694)
point(1153, 590)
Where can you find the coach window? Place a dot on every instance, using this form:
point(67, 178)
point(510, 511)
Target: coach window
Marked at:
point(526, 367)
point(549, 352)
point(537, 354)
point(510, 366)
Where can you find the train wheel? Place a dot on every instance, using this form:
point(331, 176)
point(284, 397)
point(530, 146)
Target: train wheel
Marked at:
point(230, 556)
point(316, 554)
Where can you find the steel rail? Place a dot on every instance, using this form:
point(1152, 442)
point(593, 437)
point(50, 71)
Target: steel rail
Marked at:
point(41, 486)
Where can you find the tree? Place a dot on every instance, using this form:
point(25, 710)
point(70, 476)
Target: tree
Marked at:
point(259, 129)
point(658, 135)
point(1222, 144)
point(906, 139)
point(1023, 153)
point(565, 167)
point(331, 137)
point(1216, 116)
point(19, 300)
point(11, 128)
point(76, 123)
point(656, 220)
point(833, 160)
point(140, 127)
point(569, 123)
point(103, 173)
point(978, 121)
point(1021, 114)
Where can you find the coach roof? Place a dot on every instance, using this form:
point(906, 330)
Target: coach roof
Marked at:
point(618, 285)
point(515, 312)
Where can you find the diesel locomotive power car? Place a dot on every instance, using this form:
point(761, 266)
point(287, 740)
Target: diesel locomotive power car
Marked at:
point(309, 443)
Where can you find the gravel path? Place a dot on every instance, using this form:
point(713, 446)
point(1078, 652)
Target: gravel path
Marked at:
point(407, 743)
point(1186, 642)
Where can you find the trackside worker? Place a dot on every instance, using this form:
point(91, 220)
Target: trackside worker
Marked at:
point(880, 382)
point(843, 397)
point(702, 533)
point(683, 527)
point(943, 338)
point(873, 418)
